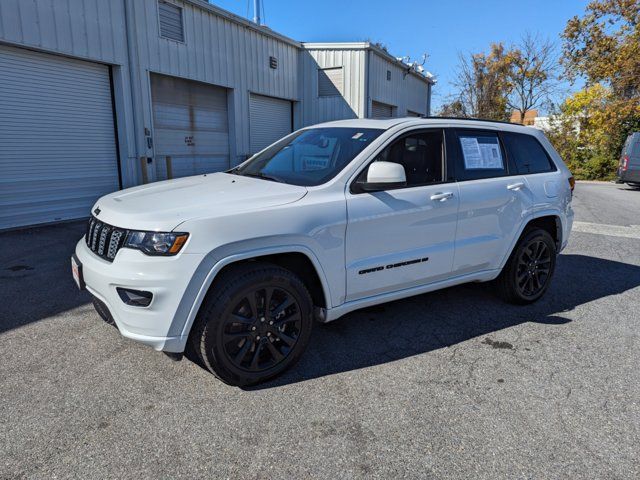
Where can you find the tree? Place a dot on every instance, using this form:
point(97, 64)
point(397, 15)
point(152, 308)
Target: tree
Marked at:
point(604, 46)
point(482, 82)
point(531, 74)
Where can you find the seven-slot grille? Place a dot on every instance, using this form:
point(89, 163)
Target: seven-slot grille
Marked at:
point(104, 240)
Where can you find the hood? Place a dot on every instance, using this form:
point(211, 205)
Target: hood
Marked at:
point(161, 206)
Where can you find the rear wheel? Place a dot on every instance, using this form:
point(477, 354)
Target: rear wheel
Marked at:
point(528, 272)
point(254, 324)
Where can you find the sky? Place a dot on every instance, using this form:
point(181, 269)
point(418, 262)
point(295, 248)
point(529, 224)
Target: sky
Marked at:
point(442, 29)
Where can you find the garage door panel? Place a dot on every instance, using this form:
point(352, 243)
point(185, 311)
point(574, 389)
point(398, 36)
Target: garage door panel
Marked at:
point(183, 166)
point(191, 125)
point(270, 120)
point(58, 150)
point(195, 118)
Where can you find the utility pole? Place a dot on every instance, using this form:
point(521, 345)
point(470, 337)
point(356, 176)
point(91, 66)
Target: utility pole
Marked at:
point(256, 12)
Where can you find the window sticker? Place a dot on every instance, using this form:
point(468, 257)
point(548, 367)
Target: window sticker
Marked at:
point(481, 153)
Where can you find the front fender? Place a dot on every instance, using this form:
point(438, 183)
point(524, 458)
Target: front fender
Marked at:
point(225, 255)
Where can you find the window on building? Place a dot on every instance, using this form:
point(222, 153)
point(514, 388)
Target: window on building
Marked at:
point(389, 75)
point(527, 153)
point(421, 155)
point(330, 82)
point(171, 24)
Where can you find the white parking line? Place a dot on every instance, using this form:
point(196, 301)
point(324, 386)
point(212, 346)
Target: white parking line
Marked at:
point(632, 231)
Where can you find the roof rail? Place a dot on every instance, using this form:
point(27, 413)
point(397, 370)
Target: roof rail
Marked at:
point(471, 119)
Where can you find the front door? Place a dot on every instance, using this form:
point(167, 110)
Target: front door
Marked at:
point(403, 237)
point(494, 201)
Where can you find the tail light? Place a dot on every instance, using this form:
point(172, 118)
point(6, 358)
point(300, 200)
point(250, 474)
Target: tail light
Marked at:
point(572, 184)
point(625, 163)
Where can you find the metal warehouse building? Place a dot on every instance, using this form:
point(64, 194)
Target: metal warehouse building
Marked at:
point(99, 95)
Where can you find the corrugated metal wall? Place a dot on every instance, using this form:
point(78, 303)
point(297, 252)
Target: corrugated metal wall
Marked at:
point(90, 29)
point(322, 109)
point(404, 92)
point(221, 52)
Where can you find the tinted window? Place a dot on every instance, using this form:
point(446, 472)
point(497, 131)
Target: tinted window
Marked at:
point(527, 153)
point(309, 157)
point(420, 154)
point(480, 155)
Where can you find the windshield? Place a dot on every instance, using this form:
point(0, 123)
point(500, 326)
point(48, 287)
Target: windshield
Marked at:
point(309, 157)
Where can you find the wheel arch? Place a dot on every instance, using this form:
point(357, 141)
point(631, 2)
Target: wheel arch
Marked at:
point(297, 258)
point(549, 221)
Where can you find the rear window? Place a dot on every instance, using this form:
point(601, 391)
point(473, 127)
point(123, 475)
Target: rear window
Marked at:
point(527, 153)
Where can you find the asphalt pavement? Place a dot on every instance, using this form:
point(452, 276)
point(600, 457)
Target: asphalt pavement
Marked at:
point(452, 384)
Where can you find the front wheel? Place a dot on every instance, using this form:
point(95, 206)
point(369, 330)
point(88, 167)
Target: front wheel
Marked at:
point(528, 272)
point(254, 324)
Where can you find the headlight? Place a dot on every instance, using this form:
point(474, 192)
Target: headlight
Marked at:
point(156, 243)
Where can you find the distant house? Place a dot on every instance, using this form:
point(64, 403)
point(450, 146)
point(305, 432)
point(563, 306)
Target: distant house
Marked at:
point(529, 117)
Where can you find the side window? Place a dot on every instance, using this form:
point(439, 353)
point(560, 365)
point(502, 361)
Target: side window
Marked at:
point(480, 155)
point(527, 153)
point(421, 155)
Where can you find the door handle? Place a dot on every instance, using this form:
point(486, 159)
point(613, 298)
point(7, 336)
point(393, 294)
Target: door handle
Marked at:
point(441, 196)
point(515, 186)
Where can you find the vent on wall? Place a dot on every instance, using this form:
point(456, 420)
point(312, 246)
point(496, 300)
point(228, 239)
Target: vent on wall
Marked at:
point(330, 82)
point(171, 24)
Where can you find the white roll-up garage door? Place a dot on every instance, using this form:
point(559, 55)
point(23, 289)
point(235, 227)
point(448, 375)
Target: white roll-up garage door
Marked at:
point(57, 142)
point(270, 120)
point(381, 110)
point(191, 127)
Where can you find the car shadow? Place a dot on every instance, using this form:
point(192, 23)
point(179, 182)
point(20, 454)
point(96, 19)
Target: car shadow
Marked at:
point(445, 318)
point(35, 273)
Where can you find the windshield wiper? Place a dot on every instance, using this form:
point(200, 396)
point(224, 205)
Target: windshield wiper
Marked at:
point(261, 175)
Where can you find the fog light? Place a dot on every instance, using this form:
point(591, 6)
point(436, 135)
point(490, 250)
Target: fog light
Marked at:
point(135, 298)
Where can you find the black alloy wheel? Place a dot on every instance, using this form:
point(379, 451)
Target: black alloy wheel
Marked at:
point(529, 269)
point(534, 267)
point(254, 323)
point(262, 329)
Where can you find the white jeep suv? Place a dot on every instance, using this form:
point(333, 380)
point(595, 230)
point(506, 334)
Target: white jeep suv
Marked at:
point(332, 218)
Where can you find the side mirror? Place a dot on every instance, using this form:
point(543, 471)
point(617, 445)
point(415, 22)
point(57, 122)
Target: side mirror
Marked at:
point(382, 176)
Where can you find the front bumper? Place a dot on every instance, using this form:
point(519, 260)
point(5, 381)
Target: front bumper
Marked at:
point(166, 277)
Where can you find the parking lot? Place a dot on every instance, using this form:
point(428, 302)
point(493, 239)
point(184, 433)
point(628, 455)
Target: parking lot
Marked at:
point(453, 384)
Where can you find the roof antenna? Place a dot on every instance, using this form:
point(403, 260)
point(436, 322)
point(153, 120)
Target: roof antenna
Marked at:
point(256, 12)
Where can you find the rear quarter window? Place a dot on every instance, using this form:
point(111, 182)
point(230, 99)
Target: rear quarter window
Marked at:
point(527, 154)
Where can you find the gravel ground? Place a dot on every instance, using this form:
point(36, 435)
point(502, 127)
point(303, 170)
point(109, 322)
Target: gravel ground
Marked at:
point(453, 384)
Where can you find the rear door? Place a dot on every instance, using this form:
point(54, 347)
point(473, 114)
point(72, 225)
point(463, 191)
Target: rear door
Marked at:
point(529, 158)
point(403, 237)
point(494, 200)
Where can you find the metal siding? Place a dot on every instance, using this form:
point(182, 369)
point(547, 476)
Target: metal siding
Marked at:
point(270, 120)
point(183, 109)
point(217, 51)
point(406, 92)
point(58, 150)
point(351, 104)
point(90, 29)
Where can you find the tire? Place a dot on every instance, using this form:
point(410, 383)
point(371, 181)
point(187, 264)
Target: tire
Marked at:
point(529, 269)
point(239, 340)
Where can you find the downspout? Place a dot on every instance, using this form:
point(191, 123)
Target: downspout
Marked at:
point(134, 85)
point(366, 83)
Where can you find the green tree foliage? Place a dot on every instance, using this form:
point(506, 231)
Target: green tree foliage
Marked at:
point(603, 47)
